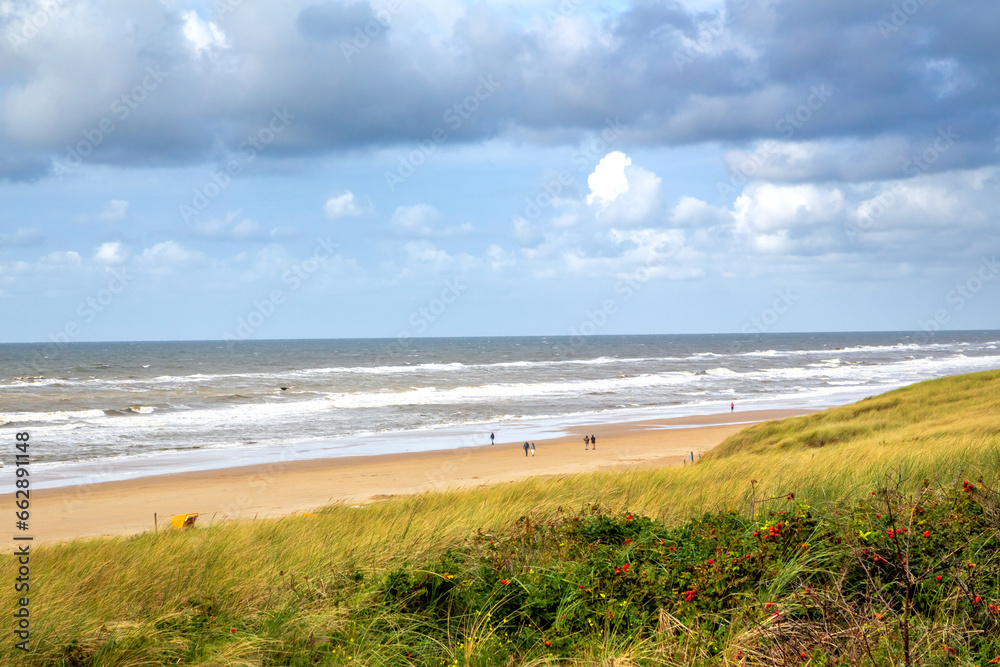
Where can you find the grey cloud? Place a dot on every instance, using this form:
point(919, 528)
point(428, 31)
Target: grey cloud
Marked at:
point(882, 157)
point(940, 67)
point(334, 20)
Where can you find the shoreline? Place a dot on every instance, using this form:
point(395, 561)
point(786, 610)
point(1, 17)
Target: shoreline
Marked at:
point(118, 467)
point(277, 489)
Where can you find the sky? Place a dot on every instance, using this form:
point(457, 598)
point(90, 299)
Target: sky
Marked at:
point(183, 170)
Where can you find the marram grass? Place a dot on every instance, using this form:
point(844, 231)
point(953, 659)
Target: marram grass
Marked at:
point(312, 590)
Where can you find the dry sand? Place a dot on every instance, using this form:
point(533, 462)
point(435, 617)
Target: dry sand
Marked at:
point(128, 507)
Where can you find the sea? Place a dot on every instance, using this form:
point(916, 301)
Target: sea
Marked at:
point(109, 411)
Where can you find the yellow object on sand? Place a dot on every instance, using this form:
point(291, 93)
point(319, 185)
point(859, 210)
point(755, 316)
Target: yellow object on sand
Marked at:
point(183, 520)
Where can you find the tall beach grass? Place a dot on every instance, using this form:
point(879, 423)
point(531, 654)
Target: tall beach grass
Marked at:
point(159, 598)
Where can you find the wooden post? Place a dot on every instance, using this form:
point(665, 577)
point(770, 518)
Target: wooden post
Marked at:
point(154, 522)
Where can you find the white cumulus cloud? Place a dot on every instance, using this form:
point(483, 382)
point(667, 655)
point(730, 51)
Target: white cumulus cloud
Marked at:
point(344, 205)
point(608, 180)
point(167, 253)
point(203, 35)
point(111, 252)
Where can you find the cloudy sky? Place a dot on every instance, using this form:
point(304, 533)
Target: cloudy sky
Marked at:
point(177, 169)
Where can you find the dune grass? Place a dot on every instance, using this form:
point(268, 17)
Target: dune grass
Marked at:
point(276, 591)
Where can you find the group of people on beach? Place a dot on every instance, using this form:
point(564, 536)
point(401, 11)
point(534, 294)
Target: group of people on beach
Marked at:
point(528, 446)
point(588, 440)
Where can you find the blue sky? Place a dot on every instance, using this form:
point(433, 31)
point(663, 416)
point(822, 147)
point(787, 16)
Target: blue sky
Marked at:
point(314, 169)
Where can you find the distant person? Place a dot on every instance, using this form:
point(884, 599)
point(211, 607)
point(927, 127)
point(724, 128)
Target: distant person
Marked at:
point(593, 441)
point(532, 449)
point(586, 442)
point(692, 457)
point(526, 447)
point(491, 438)
point(732, 407)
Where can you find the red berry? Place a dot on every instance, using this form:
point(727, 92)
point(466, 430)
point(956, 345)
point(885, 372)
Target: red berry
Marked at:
point(927, 533)
point(938, 577)
point(548, 643)
point(711, 562)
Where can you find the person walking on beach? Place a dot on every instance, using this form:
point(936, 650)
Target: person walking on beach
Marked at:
point(586, 442)
point(526, 447)
point(491, 438)
point(593, 441)
point(532, 449)
point(732, 407)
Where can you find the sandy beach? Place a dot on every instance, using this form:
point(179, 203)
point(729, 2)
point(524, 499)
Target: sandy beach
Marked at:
point(278, 489)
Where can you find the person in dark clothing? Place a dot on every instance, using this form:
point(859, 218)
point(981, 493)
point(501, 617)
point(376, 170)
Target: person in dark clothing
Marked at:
point(593, 441)
point(526, 447)
point(491, 438)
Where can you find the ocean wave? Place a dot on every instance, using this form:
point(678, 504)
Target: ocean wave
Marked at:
point(845, 355)
point(9, 418)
